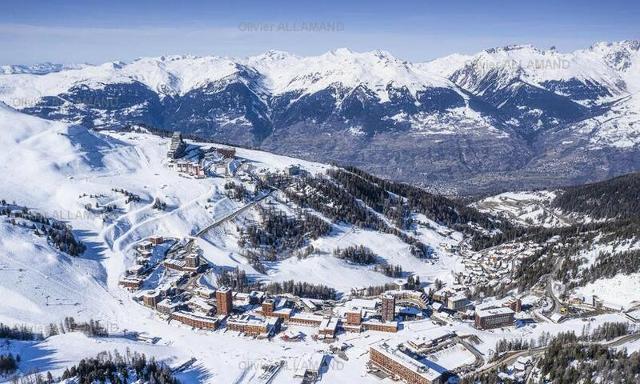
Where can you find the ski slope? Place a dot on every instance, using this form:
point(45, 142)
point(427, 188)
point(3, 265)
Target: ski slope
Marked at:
point(57, 169)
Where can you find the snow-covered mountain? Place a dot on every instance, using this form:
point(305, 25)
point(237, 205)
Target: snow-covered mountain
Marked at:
point(36, 69)
point(86, 179)
point(516, 114)
point(275, 219)
point(70, 173)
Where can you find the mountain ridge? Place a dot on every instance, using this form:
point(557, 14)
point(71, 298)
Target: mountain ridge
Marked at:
point(516, 115)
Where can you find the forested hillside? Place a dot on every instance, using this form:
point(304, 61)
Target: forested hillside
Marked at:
point(615, 198)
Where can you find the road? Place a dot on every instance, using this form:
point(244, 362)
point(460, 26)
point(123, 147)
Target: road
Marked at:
point(512, 357)
point(557, 304)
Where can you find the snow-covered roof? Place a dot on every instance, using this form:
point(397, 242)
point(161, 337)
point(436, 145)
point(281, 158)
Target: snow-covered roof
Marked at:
point(494, 311)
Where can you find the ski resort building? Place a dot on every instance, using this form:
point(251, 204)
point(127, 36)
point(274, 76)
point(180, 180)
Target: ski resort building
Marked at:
point(308, 319)
point(388, 310)
point(195, 321)
point(167, 306)
point(328, 328)
point(381, 326)
point(354, 316)
point(308, 370)
point(431, 340)
point(201, 305)
point(176, 146)
point(131, 283)
point(224, 301)
point(205, 293)
point(514, 303)
point(494, 318)
point(151, 298)
point(252, 325)
point(227, 153)
point(403, 366)
point(457, 302)
point(191, 168)
point(268, 307)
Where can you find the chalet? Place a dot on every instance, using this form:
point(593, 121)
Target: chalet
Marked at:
point(522, 364)
point(400, 284)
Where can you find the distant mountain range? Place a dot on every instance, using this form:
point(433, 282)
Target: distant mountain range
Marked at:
point(503, 119)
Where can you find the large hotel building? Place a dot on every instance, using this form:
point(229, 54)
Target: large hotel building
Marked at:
point(403, 366)
point(494, 318)
point(224, 301)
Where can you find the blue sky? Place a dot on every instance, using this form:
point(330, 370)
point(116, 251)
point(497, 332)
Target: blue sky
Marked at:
point(99, 31)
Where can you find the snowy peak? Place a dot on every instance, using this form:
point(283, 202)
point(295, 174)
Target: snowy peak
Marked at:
point(629, 45)
point(512, 48)
point(375, 69)
point(36, 69)
point(601, 70)
point(272, 55)
point(521, 99)
point(282, 72)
